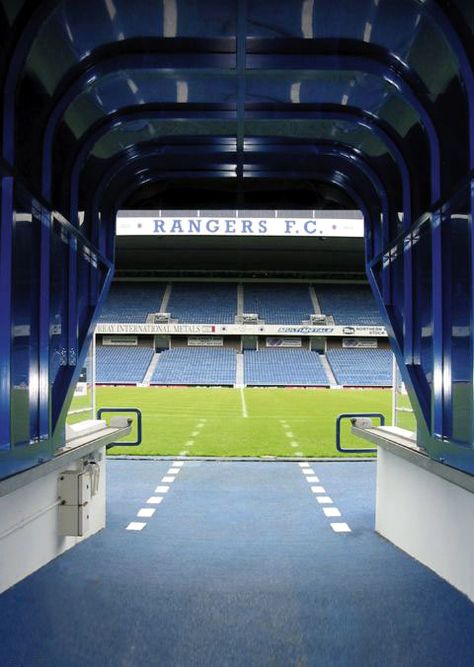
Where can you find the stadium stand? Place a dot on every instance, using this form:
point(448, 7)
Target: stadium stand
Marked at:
point(349, 304)
point(361, 367)
point(197, 365)
point(130, 302)
point(203, 303)
point(278, 303)
point(117, 364)
point(284, 367)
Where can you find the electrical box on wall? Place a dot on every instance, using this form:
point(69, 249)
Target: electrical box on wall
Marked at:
point(75, 492)
point(74, 520)
point(74, 487)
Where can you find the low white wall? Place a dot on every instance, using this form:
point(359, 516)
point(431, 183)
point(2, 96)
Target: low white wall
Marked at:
point(29, 524)
point(427, 516)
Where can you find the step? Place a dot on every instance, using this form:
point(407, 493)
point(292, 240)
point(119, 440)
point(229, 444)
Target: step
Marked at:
point(328, 370)
point(151, 369)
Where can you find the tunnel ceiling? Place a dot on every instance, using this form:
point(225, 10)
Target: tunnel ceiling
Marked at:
point(155, 103)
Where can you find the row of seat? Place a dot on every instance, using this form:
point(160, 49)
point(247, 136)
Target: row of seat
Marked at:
point(361, 367)
point(207, 303)
point(267, 367)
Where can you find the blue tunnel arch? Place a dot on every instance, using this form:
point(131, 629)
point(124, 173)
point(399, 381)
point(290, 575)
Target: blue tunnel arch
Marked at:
point(378, 103)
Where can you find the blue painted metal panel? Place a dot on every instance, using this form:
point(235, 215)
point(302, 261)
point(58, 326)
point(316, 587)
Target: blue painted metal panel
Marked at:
point(376, 98)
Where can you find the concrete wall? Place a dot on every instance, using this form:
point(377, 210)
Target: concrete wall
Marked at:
point(429, 517)
point(29, 524)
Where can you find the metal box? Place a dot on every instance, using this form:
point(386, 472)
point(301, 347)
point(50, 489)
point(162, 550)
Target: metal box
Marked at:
point(74, 487)
point(74, 520)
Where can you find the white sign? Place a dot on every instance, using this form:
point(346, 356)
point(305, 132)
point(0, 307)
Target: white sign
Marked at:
point(120, 340)
point(166, 226)
point(359, 342)
point(205, 341)
point(279, 341)
point(241, 329)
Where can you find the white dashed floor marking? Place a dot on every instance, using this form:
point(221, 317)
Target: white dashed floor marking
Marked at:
point(148, 512)
point(340, 527)
point(136, 525)
point(154, 500)
point(331, 511)
point(323, 500)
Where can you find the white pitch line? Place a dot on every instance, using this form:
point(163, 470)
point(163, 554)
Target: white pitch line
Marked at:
point(136, 525)
point(146, 512)
point(195, 433)
point(189, 443)
point(245, 413)
point(299, 453)
point(184, 453)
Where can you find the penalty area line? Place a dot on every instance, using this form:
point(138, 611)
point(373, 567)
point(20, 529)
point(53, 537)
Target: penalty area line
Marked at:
point(244, 403)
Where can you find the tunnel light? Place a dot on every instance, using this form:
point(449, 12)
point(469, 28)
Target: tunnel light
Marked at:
point(307, 11)
point(112, 10)
point(132, 85)
point(367, 31)
point(295, 92)
point(170, 18)
point(182, 91)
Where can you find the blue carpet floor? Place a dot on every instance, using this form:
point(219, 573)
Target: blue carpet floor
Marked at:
point(238, 566)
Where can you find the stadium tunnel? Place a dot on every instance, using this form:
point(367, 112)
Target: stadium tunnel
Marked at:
point(367, 104)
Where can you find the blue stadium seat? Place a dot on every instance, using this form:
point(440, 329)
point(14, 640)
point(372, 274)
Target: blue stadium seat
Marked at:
point(196, 365)
point(130, 302)
point(278, 303)
point(349, 304)
point(117, 364)
point(203, 303)
point(284, 367)
point(361, 367)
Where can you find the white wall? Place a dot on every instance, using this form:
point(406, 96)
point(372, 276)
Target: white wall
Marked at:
point(29, 524)
point(427, 516)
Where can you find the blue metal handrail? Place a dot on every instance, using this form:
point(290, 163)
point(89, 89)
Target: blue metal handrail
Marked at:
point(354, 415)
point(135, 411)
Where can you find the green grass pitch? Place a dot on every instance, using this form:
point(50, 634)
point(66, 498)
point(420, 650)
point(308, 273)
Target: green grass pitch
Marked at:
point(231, 422)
